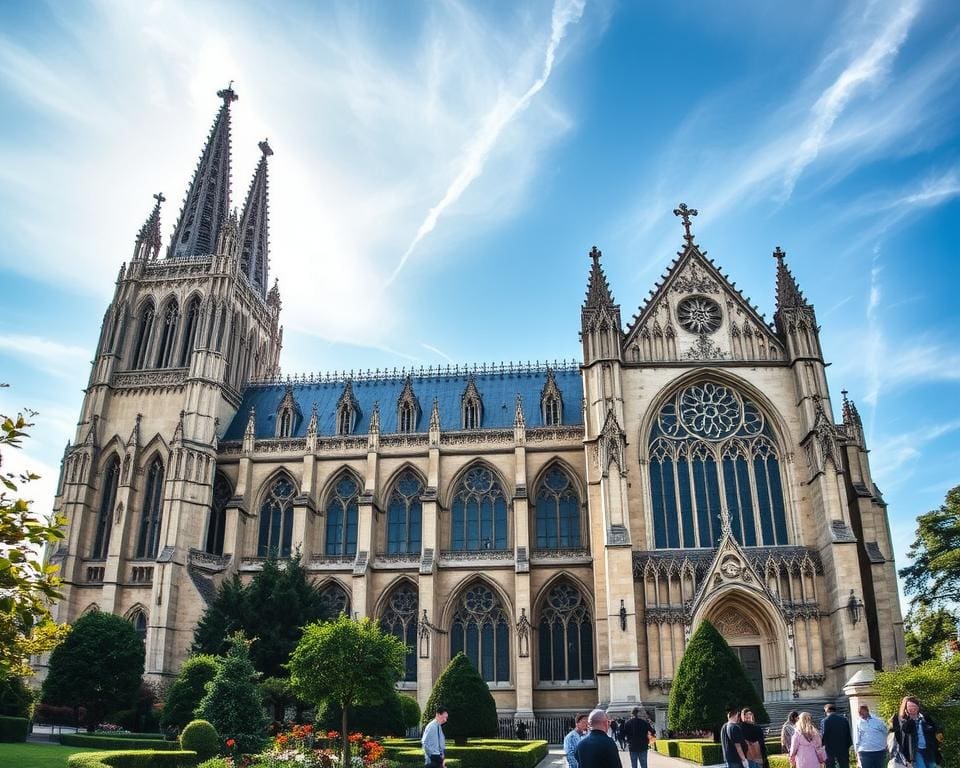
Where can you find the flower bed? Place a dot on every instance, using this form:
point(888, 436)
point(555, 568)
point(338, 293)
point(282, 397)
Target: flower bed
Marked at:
point(302, 747)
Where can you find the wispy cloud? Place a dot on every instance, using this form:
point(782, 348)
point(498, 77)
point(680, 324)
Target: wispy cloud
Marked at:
point(437, 352)
point(46, 355)
point(891, 455)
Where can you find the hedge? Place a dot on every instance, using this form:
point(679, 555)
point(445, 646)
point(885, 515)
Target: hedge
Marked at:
point(14, 728)
point(779, 761)
point(116, 742)
point(703, 751)
point(478, 753)
point(128, 735)
point(133, 759)
point(667, 747)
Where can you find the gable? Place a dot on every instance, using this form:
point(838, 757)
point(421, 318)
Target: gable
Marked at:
point(695, 313)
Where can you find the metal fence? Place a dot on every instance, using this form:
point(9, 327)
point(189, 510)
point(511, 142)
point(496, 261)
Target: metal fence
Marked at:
point(550, 728)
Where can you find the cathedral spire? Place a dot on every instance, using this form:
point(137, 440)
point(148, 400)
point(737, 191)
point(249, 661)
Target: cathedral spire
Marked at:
point(598, 289)
point(207, 203)
point(254, 253)
point(789, 295)
point(148, 239)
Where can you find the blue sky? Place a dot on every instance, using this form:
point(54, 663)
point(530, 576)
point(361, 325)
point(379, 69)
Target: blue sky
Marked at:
point(442, 170)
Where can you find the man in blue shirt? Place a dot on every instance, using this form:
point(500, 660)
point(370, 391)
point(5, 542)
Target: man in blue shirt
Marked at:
point(573, 738)
point(870, 743)
point(433, 741)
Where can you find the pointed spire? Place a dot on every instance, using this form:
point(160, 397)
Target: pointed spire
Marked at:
point(851, 416)
point(375, 418)
point(434, 428)
point(598, 289)
point(178, 432)
point(254, 242)
point(789, 295)
point(250, 433)
point(518, 420)
point(312, 426)
point(148, 239)
point(207, 203)
point(134, 439)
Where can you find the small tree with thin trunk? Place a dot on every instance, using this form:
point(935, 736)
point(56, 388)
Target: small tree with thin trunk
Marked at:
point(348, 663)
point(473, 711)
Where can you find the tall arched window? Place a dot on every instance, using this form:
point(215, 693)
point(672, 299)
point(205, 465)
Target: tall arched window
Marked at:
point(565, 636)
point(400, 620)
point(222, 493)
point(404, 513)
point(139, 620)
point(151, 518)
point(168, 334)
point(144, 333)
point(471, 405)
point(557, 511)
point(276, 519)
point(286, 424)
point(335, 600)
point(341, 537)
point(480, 629)
point(190, 331)
point(108, 498)
point(713, 456)
point(479, 519)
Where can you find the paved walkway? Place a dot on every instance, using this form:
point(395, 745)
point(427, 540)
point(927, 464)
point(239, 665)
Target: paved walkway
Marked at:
point(555, 759)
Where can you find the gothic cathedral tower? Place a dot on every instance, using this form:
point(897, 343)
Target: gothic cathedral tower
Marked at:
point(181, 338)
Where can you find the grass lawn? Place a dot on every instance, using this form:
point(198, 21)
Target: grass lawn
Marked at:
point(36, 755)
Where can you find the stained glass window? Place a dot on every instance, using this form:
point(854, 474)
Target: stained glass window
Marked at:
point(222, 492)
point(404, 513)
point(144, 332)
point(400, 620)
point(108, 498)
point(557, 511)
point(342, 517)
point(565, 637)
point(479, 519)
point(481, 630)
point(152, 514)
point(168, 335)
point(276, 519)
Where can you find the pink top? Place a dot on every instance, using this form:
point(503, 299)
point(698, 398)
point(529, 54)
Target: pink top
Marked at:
point(803, 753)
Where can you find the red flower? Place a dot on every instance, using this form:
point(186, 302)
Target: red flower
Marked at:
point(231, 743)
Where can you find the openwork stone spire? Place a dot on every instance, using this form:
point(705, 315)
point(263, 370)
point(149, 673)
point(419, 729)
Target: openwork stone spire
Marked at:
point(789, 295)
point(207, 203)
point(148, 239)
point(598, 289)
point(254, 234)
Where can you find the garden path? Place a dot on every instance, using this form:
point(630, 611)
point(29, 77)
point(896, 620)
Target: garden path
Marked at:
point(555, 759)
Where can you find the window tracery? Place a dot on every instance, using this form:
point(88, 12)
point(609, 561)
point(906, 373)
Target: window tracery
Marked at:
point(471, 406)
point(348, 410)
point(335, 600)
point(288, 414)
point(557, 511)
point(222, 493)
point(400, 620)
point(152, 516)
point(190, 331)
point(341, 532)
point(108, 498)
point(276, 519)
point(712, 454)
point(144, 333)
point(139, 620)
point(565, 636)
point(168, 334)
point(480, 629)
point(479, 515)
point(404, 514)
point(551, 401)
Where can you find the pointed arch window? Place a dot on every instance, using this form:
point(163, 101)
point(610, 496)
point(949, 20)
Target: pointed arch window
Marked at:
point(408, 408)
point(335, 600)
point(288, 414)
point(404, 514)
point(222, 493)
point(471, 405)
point(108, 499)
point(190, 331)
point(348, 411)
point(481, 630)
point(565, 637)
point(341, 534)
point(479, 518)
point(152, 515)
point(139, 620)
point(276, 519)
point(551, 401)
point(144, 333)
point(168, 334)
point(712, 455)
point(400, 620)
point(557, 511)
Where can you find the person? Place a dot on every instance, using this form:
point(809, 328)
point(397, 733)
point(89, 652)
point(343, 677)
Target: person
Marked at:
point(597, 750)
point(521, 730)
point(637, 732)
point(620, 735)
point(433, 741)
point(573, 738)
point(789, 728)
point(917, 735)
point(756, 746)
point(806, 750)
point(836, 738)
point(732, 742)
point(870, 744)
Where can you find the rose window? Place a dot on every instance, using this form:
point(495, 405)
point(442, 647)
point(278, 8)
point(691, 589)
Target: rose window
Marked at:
point(699, 315)
point(709, 410)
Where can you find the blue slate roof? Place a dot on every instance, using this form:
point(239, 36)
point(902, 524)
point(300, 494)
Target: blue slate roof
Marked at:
point(498, 390)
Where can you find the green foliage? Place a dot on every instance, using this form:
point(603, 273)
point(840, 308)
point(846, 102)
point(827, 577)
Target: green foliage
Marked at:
point(710, 677)
point(478, 753)
point(200, 737)
point(143, 714)
point(214, 762)
point(98, 667)
point(701, 752)
point(277, 694)
point(348, 663)
point(272, 609)
point(383, 719)
point(97, 741)
point(929, 632)
point(14, 728)
point(933, 578)
point(134, 759)
point(232, 702)
point(411, 711)
point(16, 697)
point(28, 586)
point(460, 689)
point(184, 695)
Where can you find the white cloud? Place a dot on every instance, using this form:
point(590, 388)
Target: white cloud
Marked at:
point(46, 355)
point(892, 456)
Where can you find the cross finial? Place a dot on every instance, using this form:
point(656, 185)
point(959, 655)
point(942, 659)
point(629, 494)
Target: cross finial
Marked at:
point(844, 393)
point(228, 94)
point(159, 198)
point(685, 213)
point(595, 254)
point(779, 253)
point(265, 148)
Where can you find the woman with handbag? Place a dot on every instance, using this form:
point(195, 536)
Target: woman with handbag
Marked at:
point(807, 750)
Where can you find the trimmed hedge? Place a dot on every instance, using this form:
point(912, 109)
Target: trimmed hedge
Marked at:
point(703, 752)
point(478, 753)
point(202, 738)
point(667, 747)
point(128, 735)
point(214, 762)
point(133, 759)
point(13, 729)
point(116, 742)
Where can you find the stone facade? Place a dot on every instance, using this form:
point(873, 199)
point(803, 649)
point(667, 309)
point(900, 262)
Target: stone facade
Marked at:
point(538, 523)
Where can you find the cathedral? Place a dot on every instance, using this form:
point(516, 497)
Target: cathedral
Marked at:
point(566, 526)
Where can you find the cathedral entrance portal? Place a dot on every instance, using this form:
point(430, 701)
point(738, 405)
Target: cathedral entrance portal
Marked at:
point(749, 656)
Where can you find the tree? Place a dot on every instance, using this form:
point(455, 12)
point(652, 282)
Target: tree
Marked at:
point(348, 663)
point(185, 693)
point(16, 698)
point(272, 609)
point(709, 678)
point(27, 586)
point(933, 578)
point(99, 666)
point(277, 694)
point(232, 702)
point(929, 630)
point(473, 711)
point(383, 719)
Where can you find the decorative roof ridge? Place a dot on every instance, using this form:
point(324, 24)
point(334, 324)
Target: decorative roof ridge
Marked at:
point(422, 372)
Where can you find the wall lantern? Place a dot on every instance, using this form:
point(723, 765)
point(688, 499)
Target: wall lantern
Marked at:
point(854, 606)
point(623, 616)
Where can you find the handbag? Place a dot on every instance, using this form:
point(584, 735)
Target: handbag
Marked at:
point(821, 754)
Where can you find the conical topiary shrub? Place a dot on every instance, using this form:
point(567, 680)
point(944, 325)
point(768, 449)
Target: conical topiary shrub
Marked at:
point(232, 703)
point(460, 689)
point(710, 677)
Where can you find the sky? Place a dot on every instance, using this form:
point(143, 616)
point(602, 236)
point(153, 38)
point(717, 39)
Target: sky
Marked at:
point(442, 170)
